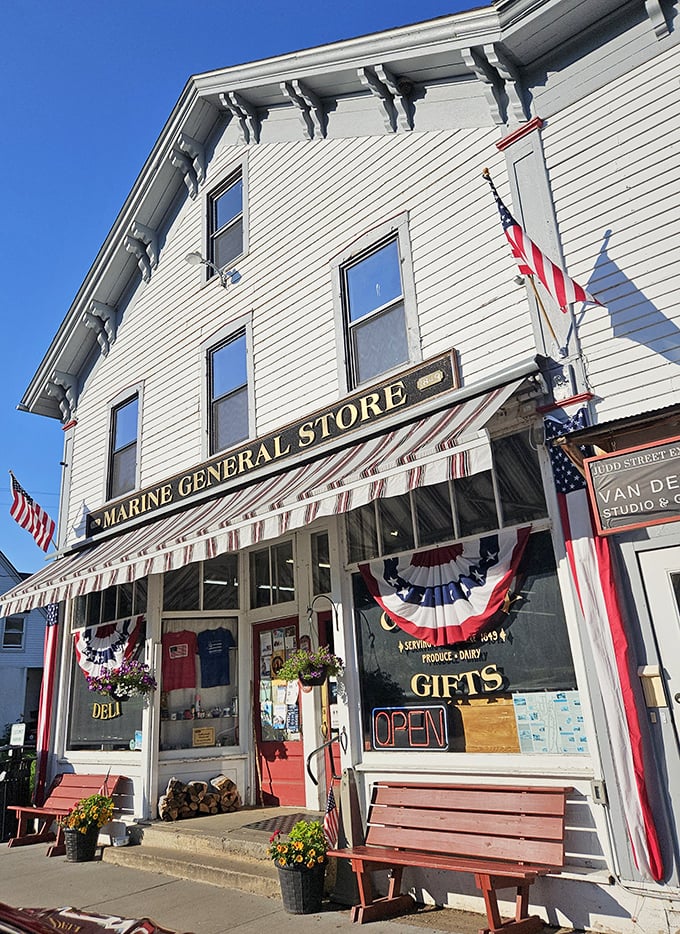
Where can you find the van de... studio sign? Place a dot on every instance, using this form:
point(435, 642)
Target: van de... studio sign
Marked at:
point(357, 411)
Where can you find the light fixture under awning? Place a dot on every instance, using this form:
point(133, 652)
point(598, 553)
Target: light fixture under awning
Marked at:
point(441, 446)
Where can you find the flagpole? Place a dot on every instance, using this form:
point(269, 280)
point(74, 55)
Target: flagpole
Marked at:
point(542, 308)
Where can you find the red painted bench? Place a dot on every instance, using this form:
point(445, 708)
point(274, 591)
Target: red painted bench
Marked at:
point(66, 790)
point(504, 836)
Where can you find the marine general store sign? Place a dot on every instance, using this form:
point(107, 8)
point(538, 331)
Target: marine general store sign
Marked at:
point(635, 488)
point(354, 412)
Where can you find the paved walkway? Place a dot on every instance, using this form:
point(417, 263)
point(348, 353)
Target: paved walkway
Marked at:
point(28, 879)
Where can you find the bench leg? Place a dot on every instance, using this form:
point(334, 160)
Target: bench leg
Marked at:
point(23, 838)
point(522, 923)
point(376, 909)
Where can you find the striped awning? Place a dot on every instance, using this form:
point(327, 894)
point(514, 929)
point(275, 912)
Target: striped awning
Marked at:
point(440, 446)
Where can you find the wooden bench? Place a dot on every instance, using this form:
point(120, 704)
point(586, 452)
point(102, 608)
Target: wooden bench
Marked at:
point(66, 790)
point(504, 836)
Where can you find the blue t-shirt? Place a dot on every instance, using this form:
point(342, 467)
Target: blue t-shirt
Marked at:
point(213, 651)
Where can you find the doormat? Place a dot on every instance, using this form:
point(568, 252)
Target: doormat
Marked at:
point(284, 823)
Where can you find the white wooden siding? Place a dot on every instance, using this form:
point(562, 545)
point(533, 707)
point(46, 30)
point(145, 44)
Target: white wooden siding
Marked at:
point(308, 201)
point(613, 161)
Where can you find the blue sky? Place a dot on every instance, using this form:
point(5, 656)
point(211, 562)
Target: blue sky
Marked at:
point(85, 88)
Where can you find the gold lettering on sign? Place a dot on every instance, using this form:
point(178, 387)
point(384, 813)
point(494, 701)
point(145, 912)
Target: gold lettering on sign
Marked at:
point(468, 683)
point(108, 711)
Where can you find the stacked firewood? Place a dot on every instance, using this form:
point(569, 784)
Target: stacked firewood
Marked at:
point(192, 799)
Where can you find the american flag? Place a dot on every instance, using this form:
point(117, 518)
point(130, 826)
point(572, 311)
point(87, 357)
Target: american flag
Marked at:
point(533, 262)
point(29, 515)
point(330, 820)
point(591, 565)
point(46, 704)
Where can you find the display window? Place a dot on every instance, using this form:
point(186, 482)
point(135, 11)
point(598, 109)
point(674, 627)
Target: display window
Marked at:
point(199, 683)
point(98, 721)
point(509, 689)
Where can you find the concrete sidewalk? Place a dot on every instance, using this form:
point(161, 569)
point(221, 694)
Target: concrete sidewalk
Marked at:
point(28, 879)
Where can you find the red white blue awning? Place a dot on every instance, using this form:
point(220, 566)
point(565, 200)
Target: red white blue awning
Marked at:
point(444, 445)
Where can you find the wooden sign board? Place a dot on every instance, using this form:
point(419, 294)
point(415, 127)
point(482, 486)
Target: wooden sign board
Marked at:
point(636, 487)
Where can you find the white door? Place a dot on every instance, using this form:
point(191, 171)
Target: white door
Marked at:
point(661, 577)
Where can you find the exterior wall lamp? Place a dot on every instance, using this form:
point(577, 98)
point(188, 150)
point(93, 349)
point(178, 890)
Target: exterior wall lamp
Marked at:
point(226, 275)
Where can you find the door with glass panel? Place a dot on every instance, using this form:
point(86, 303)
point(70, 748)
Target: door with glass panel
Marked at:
point(278, 727)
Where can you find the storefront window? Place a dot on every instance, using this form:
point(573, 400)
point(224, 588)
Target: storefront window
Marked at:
point(98, 721)
point(272, 576)
point(321, 563)
point(114, 603)
point(510, 689)
point(199, 683)
point(519, 478)
point(205, 585)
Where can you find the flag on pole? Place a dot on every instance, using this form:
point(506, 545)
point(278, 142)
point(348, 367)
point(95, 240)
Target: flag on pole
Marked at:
point(532, 261)
point(590, 563)
point(331, 820)
point(30, 515)
point(45, 705)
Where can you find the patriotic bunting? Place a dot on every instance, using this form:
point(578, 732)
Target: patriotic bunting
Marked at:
point(447, 595)
point(590, 563)
point(106, 646)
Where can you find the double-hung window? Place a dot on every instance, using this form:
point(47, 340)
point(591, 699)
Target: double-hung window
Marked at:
point(123, 448)
point(226, 226)
point(378, 305)
point(228, 392)
point(13, 633)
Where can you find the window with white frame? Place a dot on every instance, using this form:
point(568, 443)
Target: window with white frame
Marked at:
point(272, 575)
point(123, 447)
point(226, 233)
point(13, 633)
point(228, 396)
point(376, 293)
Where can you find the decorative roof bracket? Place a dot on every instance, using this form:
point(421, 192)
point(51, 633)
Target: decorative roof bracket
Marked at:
point(492, 82)
point(392, 92)
point(63, 387)
point(245, 113)
point(657, 18)
point(309, 107)
point(188, 155)
point(142, 243)
point(499, 59)
point(102, 319)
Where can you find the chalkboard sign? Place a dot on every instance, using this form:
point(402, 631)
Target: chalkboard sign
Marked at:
point(523, 650)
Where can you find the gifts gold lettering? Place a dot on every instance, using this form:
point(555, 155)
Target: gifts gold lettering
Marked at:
point(468, 683)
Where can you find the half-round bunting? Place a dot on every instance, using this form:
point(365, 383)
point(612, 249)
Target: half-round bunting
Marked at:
point(447, 595)
point(106, 646)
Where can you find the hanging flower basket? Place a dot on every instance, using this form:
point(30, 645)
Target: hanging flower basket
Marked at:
point(130, 679)
point(311, 667)
point(81, 847)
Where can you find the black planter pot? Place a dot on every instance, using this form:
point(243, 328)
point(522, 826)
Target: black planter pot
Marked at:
point(314, 682)
point(302, 889)
point(81, 847)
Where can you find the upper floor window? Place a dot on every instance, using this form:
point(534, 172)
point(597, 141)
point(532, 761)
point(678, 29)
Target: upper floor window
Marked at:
point(123, 452)
point(225, 222)
point(228, 392)
point(13, 633)
point(378, 305)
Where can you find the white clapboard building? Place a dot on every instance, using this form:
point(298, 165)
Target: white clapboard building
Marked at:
point(309, 398)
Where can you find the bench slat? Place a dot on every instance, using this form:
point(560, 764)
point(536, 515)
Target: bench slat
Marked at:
point(507, 825)
point(390, 857)
point(545, 853)
point(473, 799)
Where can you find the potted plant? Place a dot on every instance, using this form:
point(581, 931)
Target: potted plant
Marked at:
point(130, 679)
point(82, 824)
point(301, 863)
point(311, 667)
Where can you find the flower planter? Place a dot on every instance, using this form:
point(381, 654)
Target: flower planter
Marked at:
point(314, 681)
point(302, 889)
point(81, 847)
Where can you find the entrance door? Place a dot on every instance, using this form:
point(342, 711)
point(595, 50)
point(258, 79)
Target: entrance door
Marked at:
point(661, 577)
point(278, 730)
